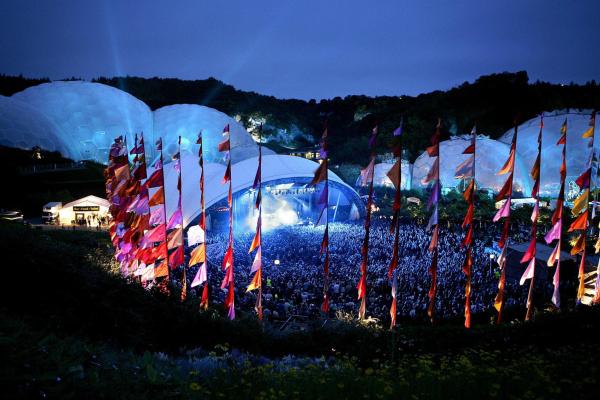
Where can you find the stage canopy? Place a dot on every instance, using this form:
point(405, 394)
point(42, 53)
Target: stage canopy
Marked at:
point(286, 191)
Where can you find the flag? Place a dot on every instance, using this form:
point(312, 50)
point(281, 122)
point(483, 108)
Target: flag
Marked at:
point(200, 277)
point(176, 220)
point(256, 281)
point(320, 173)
point(157, 198)
point(504, 211)
point(554, 232)
point(580, 222)
point(175, 238)
point(579, 245)
point(257, 263)
point(195, 235)
point(373, 138)
point(584, 180)
point(581, 202)
point(506, 188)
point(122, 173)
point(157, 216)
point(224, 145)
point(156, 234)
point(155, 180)
point(176, 258)
point(366, 175)
point(161, 270)
point(433, 174)
point(465, 169)
point(256, 241)
point(554, 256)
point(198, 255)
point(394, 174)
point(509, 165)
point(393, 306)
point(529, 272)
point(530, 252)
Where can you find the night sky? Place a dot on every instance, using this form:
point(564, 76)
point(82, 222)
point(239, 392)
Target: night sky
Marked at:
point(304, 49)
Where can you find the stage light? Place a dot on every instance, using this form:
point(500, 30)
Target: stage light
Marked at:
point(276, 262)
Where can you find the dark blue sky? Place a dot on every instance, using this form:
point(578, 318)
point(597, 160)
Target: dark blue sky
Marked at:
point(304, 49)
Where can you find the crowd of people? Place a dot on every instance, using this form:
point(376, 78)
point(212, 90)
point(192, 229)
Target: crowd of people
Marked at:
point(293, 271)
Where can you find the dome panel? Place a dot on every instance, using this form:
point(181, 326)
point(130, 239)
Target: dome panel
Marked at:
point(24, 127)
point(491, 156)
point(577, 147)
point(89, 115)
point(186, 120)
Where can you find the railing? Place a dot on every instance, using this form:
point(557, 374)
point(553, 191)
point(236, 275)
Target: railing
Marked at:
point(54, 167)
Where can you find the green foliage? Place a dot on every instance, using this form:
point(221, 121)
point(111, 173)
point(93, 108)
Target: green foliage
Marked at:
point(70, 327)
point(493, 102)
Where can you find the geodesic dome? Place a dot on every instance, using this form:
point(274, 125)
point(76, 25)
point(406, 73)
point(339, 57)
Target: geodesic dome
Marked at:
point(577, 150)
point(22, 126)
point(89, 115)
point(186, 120)
point(491, 156)
point(380, 177)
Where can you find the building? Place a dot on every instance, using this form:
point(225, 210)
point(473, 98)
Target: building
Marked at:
point(79, 212)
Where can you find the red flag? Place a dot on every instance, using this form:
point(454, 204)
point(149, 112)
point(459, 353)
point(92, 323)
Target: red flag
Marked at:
point(155, 180)
point(224, 145)
point(530, 253)
point(580, 222)
point(227, 176)
point(176, 258)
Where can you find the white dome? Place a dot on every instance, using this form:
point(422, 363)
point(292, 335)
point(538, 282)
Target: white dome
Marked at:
point(577, 150)
point(89, 115)
point(186, 120)
point(491, 156)
point(380, 177)
point(22, 126)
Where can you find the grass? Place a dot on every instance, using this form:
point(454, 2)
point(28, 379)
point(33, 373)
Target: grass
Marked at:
point(71, 328)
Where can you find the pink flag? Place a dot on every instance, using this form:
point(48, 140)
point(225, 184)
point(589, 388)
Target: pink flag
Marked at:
point(504, 211)
point(256, 264)
point(555, 256)
point(554, 233)
point(536, 212)
point(175, 220)
point(433, 220)
point(156, 234)
point(366, 175)
point(556, 283)
point(157, 216)
point(200, 277)
point(529, 272)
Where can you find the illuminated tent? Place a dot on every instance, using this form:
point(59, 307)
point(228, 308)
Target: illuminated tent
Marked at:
point(490, 157)
point(280, 173)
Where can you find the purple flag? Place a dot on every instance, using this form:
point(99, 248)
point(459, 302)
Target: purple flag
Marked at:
point(175, 220)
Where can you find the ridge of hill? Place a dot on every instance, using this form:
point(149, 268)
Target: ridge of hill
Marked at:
point(493, 102)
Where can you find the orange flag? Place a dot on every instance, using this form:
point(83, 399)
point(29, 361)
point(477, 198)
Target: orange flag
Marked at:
point(157, 198)
point(256, 240)
point(579, 245)
point(509, 165)
point(161, 270)
point(198, 255)
point(580, 222)
point(256, 281)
